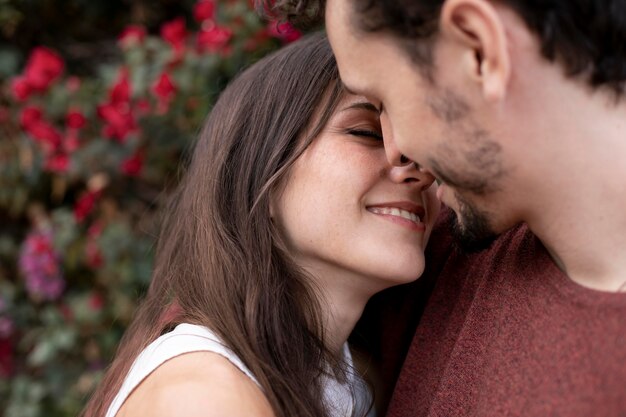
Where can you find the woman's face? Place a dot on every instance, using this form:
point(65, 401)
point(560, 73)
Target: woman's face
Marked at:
point(346, 213)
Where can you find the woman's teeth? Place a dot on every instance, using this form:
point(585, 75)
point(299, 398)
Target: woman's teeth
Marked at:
point(393, 211)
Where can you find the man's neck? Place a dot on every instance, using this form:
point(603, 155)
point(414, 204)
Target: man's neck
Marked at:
point(580, 212)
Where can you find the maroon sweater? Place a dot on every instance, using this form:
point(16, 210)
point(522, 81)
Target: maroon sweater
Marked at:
point(503, 333)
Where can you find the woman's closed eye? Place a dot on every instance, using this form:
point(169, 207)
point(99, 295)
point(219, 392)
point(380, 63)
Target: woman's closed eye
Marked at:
point(367, 133)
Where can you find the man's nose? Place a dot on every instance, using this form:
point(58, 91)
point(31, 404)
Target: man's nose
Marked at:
point(407, 171)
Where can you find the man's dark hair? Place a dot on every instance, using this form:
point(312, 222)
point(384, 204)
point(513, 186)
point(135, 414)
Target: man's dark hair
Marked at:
point(588, 37)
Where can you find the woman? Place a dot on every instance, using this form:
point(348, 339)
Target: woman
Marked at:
point(288, 220)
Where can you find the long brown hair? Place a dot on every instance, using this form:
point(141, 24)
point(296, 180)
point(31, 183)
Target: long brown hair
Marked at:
point(220, 261)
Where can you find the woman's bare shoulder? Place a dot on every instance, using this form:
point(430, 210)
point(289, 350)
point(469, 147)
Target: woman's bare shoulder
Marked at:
point(198, 384)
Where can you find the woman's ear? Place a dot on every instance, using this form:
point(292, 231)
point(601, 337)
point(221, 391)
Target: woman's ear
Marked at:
point(477, 29)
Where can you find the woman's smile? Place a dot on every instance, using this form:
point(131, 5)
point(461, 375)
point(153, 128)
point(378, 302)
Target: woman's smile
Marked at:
point(405, 214)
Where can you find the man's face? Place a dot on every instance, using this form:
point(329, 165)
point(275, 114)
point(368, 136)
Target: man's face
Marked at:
point(431, 122)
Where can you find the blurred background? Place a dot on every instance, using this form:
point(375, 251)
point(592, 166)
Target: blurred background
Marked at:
point(100, 101)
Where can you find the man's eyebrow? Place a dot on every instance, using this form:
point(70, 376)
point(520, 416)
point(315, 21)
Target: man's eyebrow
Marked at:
point(347, 89)
point(364, 105)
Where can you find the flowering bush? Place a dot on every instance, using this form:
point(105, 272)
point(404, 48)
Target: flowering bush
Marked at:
point(85, 164)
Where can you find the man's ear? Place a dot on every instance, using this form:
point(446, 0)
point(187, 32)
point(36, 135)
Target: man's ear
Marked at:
point(477, 27)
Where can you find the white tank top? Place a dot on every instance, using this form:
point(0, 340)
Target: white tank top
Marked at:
point(342, 398)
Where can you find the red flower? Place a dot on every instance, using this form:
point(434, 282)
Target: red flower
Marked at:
point(71, 143)
point(284, 31)
point(132, 35)
point(214, 39)
point(120, 92)
point(164, 88)
point(46, 134)
point(143, 106)
point(20, 88)
point(75, 119)
point(93, 254)
point(133, 165)
point(57, 163)
point(30, 115)
point(204, 10)
point(192, 103)
point(175, 33)
point(119, 121)
point(72, 84)
point(95, 230)
point(85, 205)
point(44, 66)
point(257, 39)
point(7, 364)
point(96, 301)
point(116, 113)
point(33, 123)
point(66, 312)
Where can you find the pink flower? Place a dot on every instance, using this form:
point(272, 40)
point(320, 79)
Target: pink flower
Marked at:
point(284, 31)
point(133, 165)
point(75, 119)
point(44, 66)
point(175, 32)
point(132, 35)
point(40, 265)
point(214, 39)
point(204, 10)
point(7, 326)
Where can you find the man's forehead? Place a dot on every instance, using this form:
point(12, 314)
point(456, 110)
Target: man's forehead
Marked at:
point(342, 12)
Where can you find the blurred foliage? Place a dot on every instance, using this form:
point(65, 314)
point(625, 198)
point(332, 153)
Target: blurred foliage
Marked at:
point(86, 161)
point(25, 24)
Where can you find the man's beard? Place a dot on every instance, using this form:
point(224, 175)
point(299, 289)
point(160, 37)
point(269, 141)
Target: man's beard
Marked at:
point(473, 233)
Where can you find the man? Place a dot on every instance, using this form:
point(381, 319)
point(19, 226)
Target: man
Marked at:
point(518, 107)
